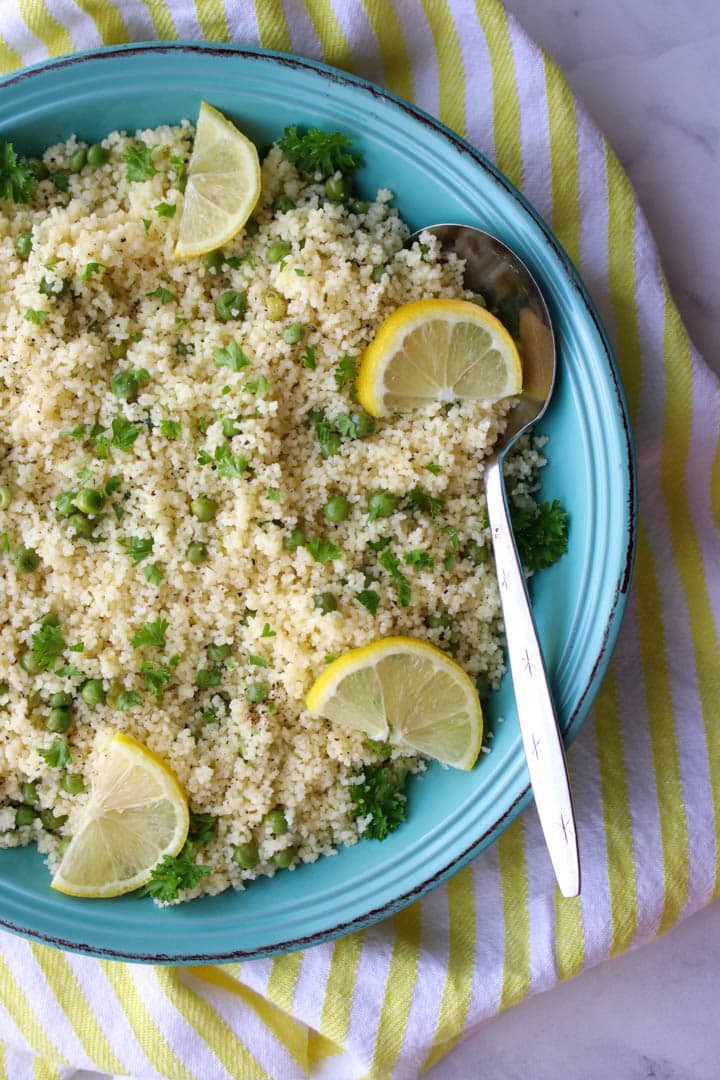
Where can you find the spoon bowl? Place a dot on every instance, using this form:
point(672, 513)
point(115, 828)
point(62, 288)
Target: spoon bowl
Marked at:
point(508, 289)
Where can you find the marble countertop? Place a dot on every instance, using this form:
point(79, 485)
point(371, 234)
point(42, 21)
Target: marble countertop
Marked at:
point(649, 73)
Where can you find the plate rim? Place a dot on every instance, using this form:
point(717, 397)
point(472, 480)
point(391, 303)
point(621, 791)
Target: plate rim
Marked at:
point(616, 609)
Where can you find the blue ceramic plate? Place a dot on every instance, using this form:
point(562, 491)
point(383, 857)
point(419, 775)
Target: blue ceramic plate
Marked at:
point(578, 603)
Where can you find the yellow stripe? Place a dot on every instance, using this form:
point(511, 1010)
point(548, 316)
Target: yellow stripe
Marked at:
point(402, 972)
point(506, 105)
point(514, 888)
point(715, 487)
point(154, 1045)
point(3, 1062)
point(272, 25)
point(621, 276)
point(663, 739)
point(44, 1070)
point(19, 1008)
point(564, 160)
point(107, 19)
point(339, 987)
point(397, 69)
point(616, 815)
point(460, 966)
point(213, 23)
point(334, 44)
point(283, 979)
point(451, 71)
point(232, 1054)
point(9, 59)
point(569, 929)
point(71, 998)
point(290, 1033)
point(44, 26)
point(688, 555)
point(162, 19)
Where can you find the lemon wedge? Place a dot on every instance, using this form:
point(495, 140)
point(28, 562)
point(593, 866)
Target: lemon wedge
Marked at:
point(407, 691)
point(223, 185)
point(136, 814)
point(438, 350)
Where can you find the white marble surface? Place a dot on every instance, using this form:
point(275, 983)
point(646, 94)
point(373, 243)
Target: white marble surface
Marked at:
point(649, 72)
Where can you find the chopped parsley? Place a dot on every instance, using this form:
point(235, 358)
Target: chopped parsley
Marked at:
point(202, 827)
point(164, 209)
point(47, 644)
point(369, 599)
point(258, 661)
point(139, 547)
point(175, 874)
point(420, 501)
point(315, 151)
point(390, 562)
point(58, 755)
point(124, 434)
point(328, 439)
point(170, 428)
point(323, 551)
point(227, 463)
point(16, 179)
point(162, 294)
point(156, 677)
point(207, 677)
point(33, 315)
point(346, 372)
point(308, 358)
point(128, 699)
point(60, 181)
point(422, 560)
point(151, 634)
point(380, 794)
point(231, 357)
point(258, 386)
point(541, 535)
point(91, 269)
point(267, 631)
point(112, 485)
point(138, 162)
point(434, 468)
point(154, 574)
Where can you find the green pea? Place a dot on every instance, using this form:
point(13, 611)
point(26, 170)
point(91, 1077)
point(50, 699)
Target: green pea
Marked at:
point(61, 700)
point(92, 692)
point(59, 721)
point(6, 496)
point(23, 245)
point(26, 560)
point(65, 503)
point(325, 602)
point(256, 693)
point(50, 821)
point(381, 504)
point(204, 508)
point(278, 250)
point(295, 540)
point(283, 203)
point(28, 792)
point(81, 526)
point(219, 653)
point(246, 856)
point(97, 155)
point(73, 783)
point(276, 305)
point(24, 815)
point(275, 822)
point(475, 553)
point(125, 385)
point(231, 305)
point(286, 857)
point(196, 553)
point(293, 333)
point(377, 274)
point(337, 508)
point(118, 349)
point(338, 188)
point(37, 167)
point(213, 260)
point(29, 663)
point(251, 227)
point(358, 206)
point(364, 424)
point(438, 622)
point(89, 501)
point(78, 159)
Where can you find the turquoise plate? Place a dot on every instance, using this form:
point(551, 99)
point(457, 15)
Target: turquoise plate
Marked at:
point(578, 603)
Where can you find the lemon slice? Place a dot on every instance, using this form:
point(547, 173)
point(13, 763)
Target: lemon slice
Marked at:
point(137, 813)
point(223, 185)
point(407, 691)
point(438, 350)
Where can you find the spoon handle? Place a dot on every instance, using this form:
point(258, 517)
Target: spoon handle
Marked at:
point(536, 713)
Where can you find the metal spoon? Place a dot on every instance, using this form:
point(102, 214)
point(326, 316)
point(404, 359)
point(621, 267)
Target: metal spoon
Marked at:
point(492, 269)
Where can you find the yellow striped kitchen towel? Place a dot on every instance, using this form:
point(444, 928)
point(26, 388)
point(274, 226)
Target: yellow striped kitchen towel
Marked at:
point(390, 1001)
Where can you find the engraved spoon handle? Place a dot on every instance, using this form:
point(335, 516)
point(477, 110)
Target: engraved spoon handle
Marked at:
point(536, 712)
